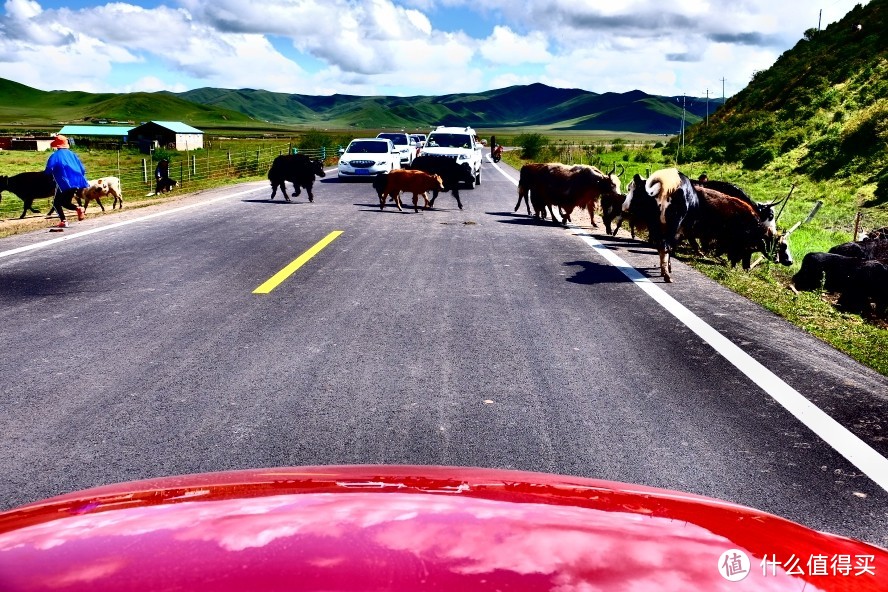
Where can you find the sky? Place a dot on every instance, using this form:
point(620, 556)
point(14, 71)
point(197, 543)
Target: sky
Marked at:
point(402, 47)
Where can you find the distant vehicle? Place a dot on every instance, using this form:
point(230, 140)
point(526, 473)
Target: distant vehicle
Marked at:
point(420, 140)
point(459, 143)
point(365, 157)
point(404, 143)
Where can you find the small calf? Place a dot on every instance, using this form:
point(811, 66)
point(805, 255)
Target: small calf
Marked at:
point(416, 182)
point(100, 188)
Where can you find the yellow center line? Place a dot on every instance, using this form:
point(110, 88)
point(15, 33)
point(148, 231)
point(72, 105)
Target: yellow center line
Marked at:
point(286, 272)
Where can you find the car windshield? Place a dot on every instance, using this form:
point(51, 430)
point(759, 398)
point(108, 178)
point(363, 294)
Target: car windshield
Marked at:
point(367, 147)
point(397, 139)
point(450, 141)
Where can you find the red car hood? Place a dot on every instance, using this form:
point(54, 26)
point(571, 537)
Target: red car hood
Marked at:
point(414, 528)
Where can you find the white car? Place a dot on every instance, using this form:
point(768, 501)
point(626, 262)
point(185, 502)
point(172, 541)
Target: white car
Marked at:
point(366, 157)
point(459, 143)
point(404, 143)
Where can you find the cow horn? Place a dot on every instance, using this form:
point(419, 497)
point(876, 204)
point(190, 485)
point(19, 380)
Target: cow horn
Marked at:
point(622, 170)
point(613, 170)
point(785, 200)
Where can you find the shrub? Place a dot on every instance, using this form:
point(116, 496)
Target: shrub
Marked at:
point(756, 158)
point(531, 145)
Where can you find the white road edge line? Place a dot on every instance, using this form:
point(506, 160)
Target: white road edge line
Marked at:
point(76, 234)
point(855, 450)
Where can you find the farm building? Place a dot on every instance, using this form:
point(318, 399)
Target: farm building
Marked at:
point(95, 136)
point(25, 143)
point(174, 135)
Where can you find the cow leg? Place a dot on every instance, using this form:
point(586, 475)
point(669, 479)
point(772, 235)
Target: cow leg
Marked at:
point(274, 189)
point(311, 197)
point(459, 203)
point(665, 265)
point(397, 197)
point(382, 199)
point(591, 210)
point(434, 197)
point(297, 191)
point(425, 199)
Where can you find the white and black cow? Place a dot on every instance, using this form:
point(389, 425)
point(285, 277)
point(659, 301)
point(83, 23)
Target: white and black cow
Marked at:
point(298, 169)
point(664, 203)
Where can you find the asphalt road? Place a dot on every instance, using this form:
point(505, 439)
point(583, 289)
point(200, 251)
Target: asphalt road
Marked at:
point(134, 347)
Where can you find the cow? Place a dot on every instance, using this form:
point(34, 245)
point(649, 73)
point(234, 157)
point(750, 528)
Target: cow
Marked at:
point(827, 270)
point(566, 186)
point(731, 226)
point(664, 202)
point(765, 210)
point(100, 188)
point(28, 187)
point(416, 182)
point(451, 172)
point(299, 170)
point(165, 185)
point(868, 282)
point(529, 178)
point(866, 249)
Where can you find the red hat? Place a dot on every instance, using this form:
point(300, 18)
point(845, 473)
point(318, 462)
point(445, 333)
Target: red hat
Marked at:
point(59, 141)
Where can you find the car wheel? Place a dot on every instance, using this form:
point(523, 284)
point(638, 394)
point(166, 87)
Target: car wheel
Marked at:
point(478, 178)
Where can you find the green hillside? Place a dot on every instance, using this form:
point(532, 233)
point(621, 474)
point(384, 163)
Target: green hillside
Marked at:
point(22, 104)
point(820, 110)
point(515, 106)
point(512, 107)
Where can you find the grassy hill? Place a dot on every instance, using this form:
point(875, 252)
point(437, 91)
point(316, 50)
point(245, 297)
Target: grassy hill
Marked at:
point(515, 106)
point(25, 105)
point(532, 105)
point(821, 110)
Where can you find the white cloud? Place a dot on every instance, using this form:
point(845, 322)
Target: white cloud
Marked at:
point(400, 46)
point(504, 46)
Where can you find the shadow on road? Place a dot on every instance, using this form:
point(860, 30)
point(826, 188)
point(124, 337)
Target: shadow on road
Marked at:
point(591, 272)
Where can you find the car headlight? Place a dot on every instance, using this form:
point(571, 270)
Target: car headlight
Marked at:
point(462, 157)
point(380, 163)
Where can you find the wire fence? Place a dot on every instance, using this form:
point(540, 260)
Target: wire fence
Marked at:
point(195, 170)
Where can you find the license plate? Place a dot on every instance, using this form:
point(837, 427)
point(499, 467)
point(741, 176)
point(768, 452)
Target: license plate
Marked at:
point(362, 171)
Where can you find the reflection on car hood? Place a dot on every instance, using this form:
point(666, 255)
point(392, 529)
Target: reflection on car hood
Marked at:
point(409, 528)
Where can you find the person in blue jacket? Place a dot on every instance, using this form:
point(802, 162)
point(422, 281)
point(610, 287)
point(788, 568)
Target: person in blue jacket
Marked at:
point(70, 177)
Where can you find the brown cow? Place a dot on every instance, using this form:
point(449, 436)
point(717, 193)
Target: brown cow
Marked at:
point(416, 182)
point(566, 186)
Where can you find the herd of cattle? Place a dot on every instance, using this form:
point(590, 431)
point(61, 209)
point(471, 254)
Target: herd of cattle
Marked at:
point(713, 216)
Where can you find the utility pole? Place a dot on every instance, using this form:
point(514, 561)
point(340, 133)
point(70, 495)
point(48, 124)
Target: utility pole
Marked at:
point(818, 19)
point(683, 100)
point(707, 106)
point(723, 90)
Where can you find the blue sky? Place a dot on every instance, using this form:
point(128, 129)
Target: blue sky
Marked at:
point(400, 47)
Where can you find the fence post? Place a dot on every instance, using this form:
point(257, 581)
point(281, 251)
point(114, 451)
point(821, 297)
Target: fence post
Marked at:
point(856, 226)
point(144, 171)
point(229, 162)
point(181, 173)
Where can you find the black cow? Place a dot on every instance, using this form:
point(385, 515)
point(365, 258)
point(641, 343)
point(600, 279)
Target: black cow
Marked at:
point(299, 170)
point(868, 282)
point(451, 173)
point(829, 270)
point(28, 187)
point(664, 203)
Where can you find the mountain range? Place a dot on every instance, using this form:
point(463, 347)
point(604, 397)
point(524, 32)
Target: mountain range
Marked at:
point(534, 105)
